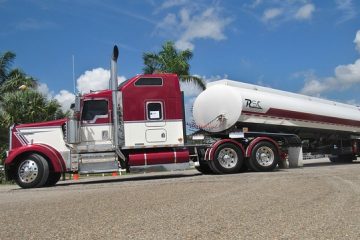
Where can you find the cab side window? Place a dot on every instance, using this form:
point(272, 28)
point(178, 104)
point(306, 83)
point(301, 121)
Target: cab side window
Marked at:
point(154, 111)
point(93, 108)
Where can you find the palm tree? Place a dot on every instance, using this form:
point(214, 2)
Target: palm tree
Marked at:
point(6, 59)
point(170, 60)
point(27, 106)
point(21, 104)
point(15, 79)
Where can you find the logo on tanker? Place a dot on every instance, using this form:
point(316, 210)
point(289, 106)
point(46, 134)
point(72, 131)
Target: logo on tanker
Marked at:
point(252, 104)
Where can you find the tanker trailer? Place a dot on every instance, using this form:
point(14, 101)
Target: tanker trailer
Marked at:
point(256, 125)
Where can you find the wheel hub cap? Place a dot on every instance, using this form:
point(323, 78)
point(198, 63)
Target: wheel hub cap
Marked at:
point(265, 156)
point(228, 158)
point(28, 171)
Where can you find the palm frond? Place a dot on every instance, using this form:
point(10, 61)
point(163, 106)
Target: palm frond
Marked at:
point(6, 59)
point(194, 79)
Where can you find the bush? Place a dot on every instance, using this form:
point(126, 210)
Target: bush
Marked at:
point(2, 174)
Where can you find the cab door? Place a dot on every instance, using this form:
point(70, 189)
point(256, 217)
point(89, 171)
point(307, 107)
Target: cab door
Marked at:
point(96, 123)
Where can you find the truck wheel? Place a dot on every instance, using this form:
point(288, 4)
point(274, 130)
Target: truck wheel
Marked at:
point(348, 158)
point(53, 178)
point(204, 168)
point(32, 171)
point(264, 157)
point(228, 158)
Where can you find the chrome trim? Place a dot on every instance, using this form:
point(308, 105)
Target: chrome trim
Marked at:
point(10, 136)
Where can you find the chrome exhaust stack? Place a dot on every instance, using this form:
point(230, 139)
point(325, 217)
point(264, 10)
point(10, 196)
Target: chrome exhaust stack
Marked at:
point(114, 94)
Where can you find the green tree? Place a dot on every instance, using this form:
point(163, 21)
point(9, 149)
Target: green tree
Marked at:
point(6, 59)
point(15, 79)
point(19, 104)
point(170, 60)
point(28, 106)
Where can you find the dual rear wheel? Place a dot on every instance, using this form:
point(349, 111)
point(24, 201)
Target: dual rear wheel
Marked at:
point(229, 158)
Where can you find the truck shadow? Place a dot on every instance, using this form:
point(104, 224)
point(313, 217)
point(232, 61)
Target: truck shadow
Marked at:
point(319, 164)
point(127, 178)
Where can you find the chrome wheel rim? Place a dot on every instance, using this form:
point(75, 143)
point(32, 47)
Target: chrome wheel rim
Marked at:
point(28, 171)
point(227, 158)
point(265, 156)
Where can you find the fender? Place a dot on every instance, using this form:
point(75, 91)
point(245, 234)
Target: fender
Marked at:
point(257, 140)
point(49, 152)
point(213, 148)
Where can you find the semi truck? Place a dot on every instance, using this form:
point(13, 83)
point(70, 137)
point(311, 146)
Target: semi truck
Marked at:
point(141, 122)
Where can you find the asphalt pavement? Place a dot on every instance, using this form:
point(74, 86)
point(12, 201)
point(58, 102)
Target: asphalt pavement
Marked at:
point(319, 201)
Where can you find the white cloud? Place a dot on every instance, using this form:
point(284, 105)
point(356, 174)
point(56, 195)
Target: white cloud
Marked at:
point(192, 23)
point(44, 90)
point(305, 12)
point(254, 4)
point(276, 12)
point(173, 3)
point(271, 13)
point(95, 79)
point(348, 74)
point(344, 77)
point(347, 8)
point(357, 40)
point(65, 98)
point(315, 87)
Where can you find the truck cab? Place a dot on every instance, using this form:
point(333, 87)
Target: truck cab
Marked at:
point(149, 130)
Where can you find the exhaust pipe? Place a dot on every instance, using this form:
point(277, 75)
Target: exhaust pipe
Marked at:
point(114, 91)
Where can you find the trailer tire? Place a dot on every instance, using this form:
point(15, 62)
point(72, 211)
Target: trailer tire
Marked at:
point(264, 157)
point(342, 158)
point(214, 168)
point(228, 158)
point(53, 178)
point(32, 171)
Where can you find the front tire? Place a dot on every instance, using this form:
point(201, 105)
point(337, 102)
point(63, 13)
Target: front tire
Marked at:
point(32, 171)
point(228, 158)
point(264, 157)
point(53, 178)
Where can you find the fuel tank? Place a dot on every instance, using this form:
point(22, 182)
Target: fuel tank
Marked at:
point(226, 103)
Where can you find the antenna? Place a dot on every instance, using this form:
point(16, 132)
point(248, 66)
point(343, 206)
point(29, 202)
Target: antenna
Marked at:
point(73, 68)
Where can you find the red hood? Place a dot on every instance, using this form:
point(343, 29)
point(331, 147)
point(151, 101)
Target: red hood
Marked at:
point(54, 123)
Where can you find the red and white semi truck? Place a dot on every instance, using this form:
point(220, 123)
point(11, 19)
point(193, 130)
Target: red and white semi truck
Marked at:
point(141, 122)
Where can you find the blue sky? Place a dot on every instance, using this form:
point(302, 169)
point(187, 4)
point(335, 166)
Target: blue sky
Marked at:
point(305, 46)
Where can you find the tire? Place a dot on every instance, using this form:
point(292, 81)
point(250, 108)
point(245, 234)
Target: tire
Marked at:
point(213, 168)
point(228, 158)
point(32, 171)
point(244, 168)
point(264, 157)
point(204, 168)
point(53, 178)
point(348, 158)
